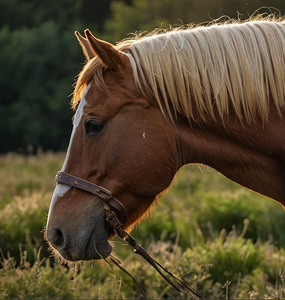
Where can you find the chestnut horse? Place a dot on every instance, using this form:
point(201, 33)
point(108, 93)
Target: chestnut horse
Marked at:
point(212, 95)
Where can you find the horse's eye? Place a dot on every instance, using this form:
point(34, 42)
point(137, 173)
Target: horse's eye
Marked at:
point(94, 126)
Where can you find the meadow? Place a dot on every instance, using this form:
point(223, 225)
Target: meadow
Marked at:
point(225, 241)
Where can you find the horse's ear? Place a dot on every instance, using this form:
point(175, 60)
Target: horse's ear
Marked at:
point(110, 56)
point(87, 49)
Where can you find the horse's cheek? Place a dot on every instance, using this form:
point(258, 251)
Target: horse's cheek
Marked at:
point(155, 168)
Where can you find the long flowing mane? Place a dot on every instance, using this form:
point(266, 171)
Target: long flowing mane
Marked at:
point(233, 65)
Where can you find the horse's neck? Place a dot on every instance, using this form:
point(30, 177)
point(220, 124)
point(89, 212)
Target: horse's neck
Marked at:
point(247, 154)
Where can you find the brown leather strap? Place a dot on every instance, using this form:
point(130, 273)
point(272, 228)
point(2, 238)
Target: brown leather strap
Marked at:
point(117, 263)
point(99, 191)
point(179, 285)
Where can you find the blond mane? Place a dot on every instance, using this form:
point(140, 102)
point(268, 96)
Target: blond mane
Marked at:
point(232, 65)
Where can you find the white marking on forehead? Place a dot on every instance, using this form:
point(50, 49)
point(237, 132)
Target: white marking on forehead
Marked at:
point(60, 188)
point(77, 118)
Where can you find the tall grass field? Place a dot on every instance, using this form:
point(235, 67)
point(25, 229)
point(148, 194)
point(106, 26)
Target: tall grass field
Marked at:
point(224, 241)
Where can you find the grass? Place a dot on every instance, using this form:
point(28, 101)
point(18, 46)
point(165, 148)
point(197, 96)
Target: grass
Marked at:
point(224, 241)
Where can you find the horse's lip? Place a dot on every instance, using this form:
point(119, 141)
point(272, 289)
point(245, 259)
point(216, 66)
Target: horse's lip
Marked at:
point(98, 253)
point(93, 247)
point(68, 256)
point(92, 252)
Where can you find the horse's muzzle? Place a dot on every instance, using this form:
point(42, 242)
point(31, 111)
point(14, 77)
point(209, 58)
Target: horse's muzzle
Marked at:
point(78, 248)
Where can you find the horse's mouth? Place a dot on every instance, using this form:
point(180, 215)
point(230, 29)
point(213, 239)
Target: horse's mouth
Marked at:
point(92, 251)
point(95, 252)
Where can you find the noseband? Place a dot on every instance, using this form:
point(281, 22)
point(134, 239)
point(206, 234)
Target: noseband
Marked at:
point(97, 190)
point(116, 215)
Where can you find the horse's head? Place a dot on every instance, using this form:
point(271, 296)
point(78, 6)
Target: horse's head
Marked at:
point(120, 141)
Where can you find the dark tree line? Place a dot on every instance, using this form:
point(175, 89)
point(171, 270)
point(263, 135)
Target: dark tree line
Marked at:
point(40, 56)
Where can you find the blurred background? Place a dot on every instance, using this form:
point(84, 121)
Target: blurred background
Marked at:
point(40, 56)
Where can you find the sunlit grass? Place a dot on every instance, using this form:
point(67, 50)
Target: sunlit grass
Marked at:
point(224, 241)
point(21, 175)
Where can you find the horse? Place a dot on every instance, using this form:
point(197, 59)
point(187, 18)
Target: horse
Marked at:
point(208, 94)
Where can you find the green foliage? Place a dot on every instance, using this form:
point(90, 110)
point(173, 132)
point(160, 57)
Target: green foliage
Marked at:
point(37, 104)
point(224, 241)
point(25, 193)
point(213, 203)
point(40, 55)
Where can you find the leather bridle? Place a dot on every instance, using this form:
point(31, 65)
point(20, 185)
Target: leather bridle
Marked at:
point(97, 190)
point(116, 216)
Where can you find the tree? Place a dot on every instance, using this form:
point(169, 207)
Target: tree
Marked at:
point(38, 77)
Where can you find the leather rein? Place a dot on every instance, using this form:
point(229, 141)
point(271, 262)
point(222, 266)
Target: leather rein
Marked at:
point(116, 216)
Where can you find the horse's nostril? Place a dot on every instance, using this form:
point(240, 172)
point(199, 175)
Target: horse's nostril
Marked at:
point(56, 237)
